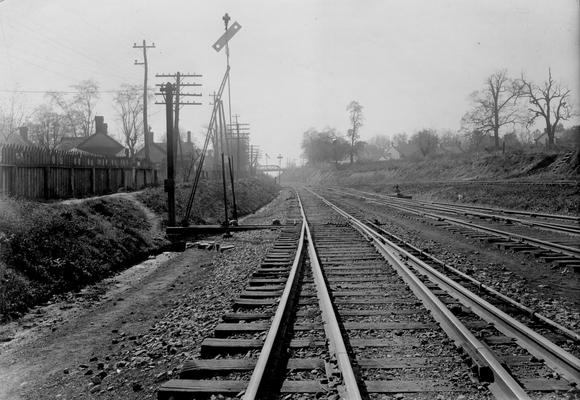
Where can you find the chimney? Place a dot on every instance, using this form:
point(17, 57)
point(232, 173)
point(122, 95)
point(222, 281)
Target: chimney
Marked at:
point(105, 128)
point(23, 130)
point(151, 136)
point(99, 122)
point(188, 136)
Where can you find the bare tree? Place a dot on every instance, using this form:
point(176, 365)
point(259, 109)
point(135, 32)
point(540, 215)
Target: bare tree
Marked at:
point(12, 116)
point(85, 101)
point(78, 110)
point(383, 143)
point(399, 139)
point(48, 127)
point(356, 118)
point(495, 106)
point(129, 107)
point(426, 140)
point(548, 101)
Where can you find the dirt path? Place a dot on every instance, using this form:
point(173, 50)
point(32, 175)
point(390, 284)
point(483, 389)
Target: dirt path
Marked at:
point(122, 337)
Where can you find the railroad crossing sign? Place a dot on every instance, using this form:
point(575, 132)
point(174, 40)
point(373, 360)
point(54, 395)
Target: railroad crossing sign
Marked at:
point(225, 38)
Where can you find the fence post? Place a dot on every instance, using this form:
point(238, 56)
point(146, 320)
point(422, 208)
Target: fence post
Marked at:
point(93, 181)
point(72, 182)
point(45, 173)
point(109, 189)
point(12, 186)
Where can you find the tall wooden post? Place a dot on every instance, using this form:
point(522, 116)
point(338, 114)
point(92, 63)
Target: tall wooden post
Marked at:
point(170, 182)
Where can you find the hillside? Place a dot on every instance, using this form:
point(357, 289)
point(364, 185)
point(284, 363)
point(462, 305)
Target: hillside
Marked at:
point(466, 177)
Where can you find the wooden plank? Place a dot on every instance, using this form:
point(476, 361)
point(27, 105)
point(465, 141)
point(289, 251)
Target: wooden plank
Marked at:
point(409, 386)
point(245, 316)
point(545, 385)
point(404, 362)
point(230, 328)
point(388, 326)
point(264, 281)
point(196, 368)
point(371, 301)
point(255, 294)
point(242, 302)
point(177, 388)
point(264, 288)
point(366, 313)
point(212, 346)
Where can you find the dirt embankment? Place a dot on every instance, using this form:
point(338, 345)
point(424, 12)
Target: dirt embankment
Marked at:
point(47, 249)
point(465, 178)
point(124, 336)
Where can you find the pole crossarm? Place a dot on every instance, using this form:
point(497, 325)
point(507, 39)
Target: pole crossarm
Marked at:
point(146, 135)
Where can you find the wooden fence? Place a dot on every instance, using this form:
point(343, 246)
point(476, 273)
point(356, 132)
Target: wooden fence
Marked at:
point(36, 173)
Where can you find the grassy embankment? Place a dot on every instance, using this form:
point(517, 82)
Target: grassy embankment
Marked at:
point(47, 249)
point(451, 177)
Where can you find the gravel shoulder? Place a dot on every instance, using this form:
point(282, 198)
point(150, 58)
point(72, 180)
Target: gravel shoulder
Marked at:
point(553, 292)
point(122, 337)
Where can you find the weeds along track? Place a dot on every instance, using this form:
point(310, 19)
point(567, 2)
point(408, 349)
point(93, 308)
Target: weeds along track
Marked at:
point(554, 242)
point(337, 310)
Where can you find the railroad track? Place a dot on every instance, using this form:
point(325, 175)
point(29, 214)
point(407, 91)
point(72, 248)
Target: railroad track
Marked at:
point(550, 222)
point(561, 249)
point(337, 310)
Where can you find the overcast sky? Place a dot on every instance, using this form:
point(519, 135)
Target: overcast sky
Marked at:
point(296, 64)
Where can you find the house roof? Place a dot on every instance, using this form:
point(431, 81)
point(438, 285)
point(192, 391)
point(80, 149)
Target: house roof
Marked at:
point(69, 143)
point(16, 139)
point(97, 143)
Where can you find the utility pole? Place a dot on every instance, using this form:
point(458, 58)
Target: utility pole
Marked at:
point(167, 91)
point(242, 134)
point(178, 103)
point(279, 166)
point(145, 46)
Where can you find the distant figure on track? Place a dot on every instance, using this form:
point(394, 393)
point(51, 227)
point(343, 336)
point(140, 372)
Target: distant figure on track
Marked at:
point(397, 189)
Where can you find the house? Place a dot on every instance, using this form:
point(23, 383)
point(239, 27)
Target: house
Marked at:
point(185, 154)
point(21, 139)
point(158, 150)
point(99, 143)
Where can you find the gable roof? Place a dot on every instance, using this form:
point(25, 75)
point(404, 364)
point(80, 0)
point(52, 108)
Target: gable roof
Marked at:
point(69, 143)
point(17, 140)
point(98, 143)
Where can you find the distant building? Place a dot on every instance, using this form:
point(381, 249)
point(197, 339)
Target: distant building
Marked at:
point(184, 154)
point(20, 139)
point(158, 150)
point(99, 143)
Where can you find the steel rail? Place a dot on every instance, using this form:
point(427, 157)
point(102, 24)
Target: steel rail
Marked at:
point(267, 351)
point(527, 310)
point(504, 385)
point(331, 327)
point(446, 207)
point(516, 212)
point(457, 209)
point(567, 250)
point(555, 247)
point(554, 356)
point(490, 209)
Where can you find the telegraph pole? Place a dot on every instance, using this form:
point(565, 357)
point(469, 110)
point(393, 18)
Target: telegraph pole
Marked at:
point(178, 103)
point(167, 91)
point(279, 166)
point(242, 132)
point(145, 46)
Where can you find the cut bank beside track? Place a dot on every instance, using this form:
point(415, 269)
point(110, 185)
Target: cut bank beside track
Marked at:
point(338, 309)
